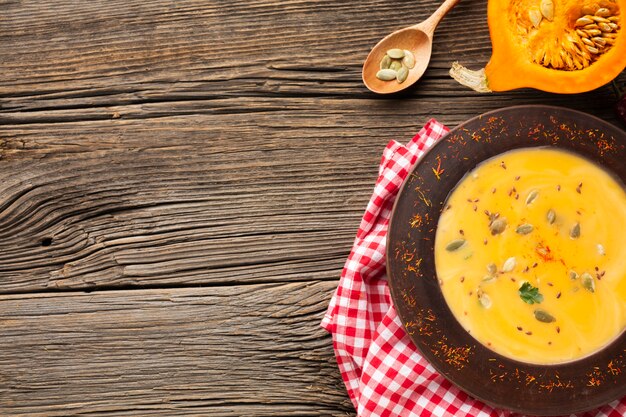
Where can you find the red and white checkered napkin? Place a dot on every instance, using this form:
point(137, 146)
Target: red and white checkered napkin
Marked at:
point(381, 367)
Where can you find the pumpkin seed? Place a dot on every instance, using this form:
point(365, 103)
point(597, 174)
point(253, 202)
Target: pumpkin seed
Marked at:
point(531, 196)
point(605, 27)
point(386, 74)
point(614, 19)
point(551, 216)
point(402, 74)
point(489, 279)
point(396, 53)
point(409, 59)
point(455, 245)
point(544, 316)
point(497, 226)
point(385, 62)
point(599, 41)
point(547, 9)
point(509, 264)
point(588, 282)
point(492, 269)
point(603, 12)
point(524, 229)
point(613, 26)
point(483, 299)
point(573, 275)
point(583, 21)
point(587, 41)
point(535, 17)
point(591, 26)
point(575, 232)
point(599, 19)
point(395, 65)
point(592, 32)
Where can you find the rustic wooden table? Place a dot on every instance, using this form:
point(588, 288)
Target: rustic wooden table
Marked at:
point(180, 184)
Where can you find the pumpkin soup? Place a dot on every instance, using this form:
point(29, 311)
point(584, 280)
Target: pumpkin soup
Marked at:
point(530, 251)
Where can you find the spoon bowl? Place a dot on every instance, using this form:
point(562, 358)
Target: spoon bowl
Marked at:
point(412, 39)
point(417, 39)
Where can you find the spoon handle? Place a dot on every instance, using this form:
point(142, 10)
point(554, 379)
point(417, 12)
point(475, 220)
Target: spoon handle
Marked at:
point(428, 26)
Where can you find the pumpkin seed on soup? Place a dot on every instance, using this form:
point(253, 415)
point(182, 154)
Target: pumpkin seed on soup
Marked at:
point(524, 229)
point(455, 245)
point(497, 226)
point(543, 316)
point(588, 282)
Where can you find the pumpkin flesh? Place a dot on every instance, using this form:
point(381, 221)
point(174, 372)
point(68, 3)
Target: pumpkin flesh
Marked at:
point(550, 54)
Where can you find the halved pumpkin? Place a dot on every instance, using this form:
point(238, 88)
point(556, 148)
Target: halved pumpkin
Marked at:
point(559, 46)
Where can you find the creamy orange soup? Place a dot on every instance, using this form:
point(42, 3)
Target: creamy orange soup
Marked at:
point(530, 253)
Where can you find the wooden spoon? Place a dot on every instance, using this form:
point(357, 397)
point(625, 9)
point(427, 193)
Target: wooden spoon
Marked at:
point(418, 39)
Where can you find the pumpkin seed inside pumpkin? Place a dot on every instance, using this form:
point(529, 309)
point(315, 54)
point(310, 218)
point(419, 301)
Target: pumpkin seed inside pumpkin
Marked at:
point(583, 41)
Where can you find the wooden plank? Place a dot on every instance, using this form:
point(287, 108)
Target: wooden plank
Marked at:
point(103, 53)
point(228, 351)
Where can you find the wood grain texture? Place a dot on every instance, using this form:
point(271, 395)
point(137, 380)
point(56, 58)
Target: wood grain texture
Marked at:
point(202, 167)
point(243, 350)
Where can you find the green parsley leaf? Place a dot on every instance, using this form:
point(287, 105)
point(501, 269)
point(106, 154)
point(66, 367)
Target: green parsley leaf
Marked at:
point(530, 294)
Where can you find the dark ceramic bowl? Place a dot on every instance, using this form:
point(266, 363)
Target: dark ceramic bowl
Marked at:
point(502, 382)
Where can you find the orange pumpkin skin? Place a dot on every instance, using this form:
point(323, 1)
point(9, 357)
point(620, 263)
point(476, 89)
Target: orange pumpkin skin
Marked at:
point(512, 67)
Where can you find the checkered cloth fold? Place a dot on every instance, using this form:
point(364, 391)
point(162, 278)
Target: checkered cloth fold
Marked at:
point(384, 373)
